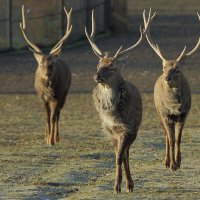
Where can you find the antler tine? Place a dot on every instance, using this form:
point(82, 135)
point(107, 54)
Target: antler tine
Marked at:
point(23, 28)
point(93, 25)
point(198, 15)
point(147, 24)
point(67, 33)
point(117, 53)
point(90, 38)
point(182, 54)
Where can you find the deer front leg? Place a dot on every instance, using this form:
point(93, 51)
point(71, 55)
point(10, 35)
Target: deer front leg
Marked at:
point(56, 135)
point(122, 143)
point(178, 128)
point(169, 127)
point(47, 125)
point(167, 158)
point(54, 110)
point(129, 180)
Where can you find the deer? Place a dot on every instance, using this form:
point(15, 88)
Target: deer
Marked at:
point(52, 80)
point(172, 97)
point(118, 103)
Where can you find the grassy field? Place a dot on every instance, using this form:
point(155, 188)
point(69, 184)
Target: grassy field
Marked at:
point(82, 165)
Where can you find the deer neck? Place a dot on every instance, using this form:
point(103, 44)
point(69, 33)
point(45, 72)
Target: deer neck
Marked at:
point(172, 95)
point(109, 95)
point(48, 80)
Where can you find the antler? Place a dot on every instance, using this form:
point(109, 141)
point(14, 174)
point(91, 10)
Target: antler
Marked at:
point(23, 29)
point(98, 52)
point(147, 22)
point(192, 51)
point(125, 51)
point(90, 38)
point(155, 47)
point(67, 33)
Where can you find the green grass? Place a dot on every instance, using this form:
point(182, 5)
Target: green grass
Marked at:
point(82, 166)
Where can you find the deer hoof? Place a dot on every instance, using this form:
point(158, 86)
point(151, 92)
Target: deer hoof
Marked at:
point(178, 161)
point(167, 162)
point(117, 189)
point(129, 187)
point(173, 166)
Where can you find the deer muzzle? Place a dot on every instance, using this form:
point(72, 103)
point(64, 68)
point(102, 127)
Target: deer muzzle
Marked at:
point(98, 78)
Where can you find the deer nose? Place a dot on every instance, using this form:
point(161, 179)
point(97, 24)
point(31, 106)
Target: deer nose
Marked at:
point(168, 78)
point(98, 78)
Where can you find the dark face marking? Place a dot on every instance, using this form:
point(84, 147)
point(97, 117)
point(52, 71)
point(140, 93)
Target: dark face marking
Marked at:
point(171, 73)
point(47, 64)
point(106, 71)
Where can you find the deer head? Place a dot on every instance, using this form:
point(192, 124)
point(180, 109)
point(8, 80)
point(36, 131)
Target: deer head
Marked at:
point(109, 67)
point(171, 68)
point(46, 61)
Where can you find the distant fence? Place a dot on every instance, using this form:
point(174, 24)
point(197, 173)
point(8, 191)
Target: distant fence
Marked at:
point(46, 21)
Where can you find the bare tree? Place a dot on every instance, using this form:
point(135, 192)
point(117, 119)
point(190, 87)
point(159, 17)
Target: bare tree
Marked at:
point(52, 80)
point(119, 105)
point(172, 97)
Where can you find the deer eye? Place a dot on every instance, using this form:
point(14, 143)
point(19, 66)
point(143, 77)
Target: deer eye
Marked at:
point(111, 68)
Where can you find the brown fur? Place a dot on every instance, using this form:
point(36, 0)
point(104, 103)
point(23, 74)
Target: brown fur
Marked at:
point(172, 98)
point(52, 86)
point(119, 105)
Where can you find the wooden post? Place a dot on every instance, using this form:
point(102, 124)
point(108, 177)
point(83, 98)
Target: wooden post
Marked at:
point(119, 19)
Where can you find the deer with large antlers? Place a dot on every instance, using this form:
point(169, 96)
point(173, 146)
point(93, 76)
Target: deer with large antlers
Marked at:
point(119, 105)
point(52, 80)
point(172, 97)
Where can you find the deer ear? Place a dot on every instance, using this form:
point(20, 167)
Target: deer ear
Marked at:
point(38, 57)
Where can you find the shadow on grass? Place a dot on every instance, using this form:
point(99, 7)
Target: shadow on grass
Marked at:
point(51, 191)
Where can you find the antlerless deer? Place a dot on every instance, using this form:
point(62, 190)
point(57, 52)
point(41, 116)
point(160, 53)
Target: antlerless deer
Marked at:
point(119, 105)
point(52, 80)
point(172, 99)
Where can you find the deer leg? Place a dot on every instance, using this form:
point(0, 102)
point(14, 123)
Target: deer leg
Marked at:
point(47, 126)
point(178, 128)
point(169, 126)
point(129, 180)
point(56, 135)
point(167, 158)
point(122, 144)
point(54, 110)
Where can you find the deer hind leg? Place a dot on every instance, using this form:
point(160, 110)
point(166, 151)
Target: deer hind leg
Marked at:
point(129, 180)
point(122, 144)
point(170, 131)
point(47, 125)
point(56, 135)
point(54, 110)
point(178, 128)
